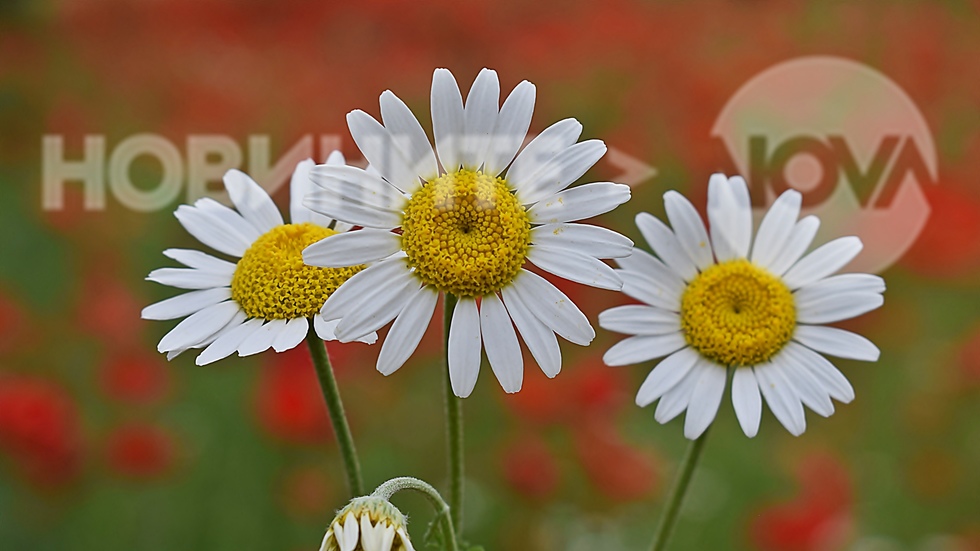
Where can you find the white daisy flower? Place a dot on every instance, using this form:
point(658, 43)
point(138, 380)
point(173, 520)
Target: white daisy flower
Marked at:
point(723, 301)
point(367, 524)
point(467, 229)
point(267, 298)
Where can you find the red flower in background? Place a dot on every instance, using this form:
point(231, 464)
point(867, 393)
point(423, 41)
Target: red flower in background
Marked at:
point(618, 470)
point(949, 245)
point(108, 309)
point(135, 378)
point(39, 430)
point(530, 467)
point(289, 403)
point(140, 450)
point(818, 519)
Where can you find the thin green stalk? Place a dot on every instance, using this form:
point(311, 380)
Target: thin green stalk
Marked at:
point(454, 425)
point(331, 394)
point(389, 488)
point(668, 518)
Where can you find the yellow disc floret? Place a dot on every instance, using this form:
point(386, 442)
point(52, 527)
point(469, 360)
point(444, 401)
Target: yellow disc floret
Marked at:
point(737, 314)
point(272, 282)
point(465, 233)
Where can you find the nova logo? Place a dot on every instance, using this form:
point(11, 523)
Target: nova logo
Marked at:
point(846, 137)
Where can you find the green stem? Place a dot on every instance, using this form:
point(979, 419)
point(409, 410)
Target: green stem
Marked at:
point(454, 425)
point(331, 394)
point(389, 488)
point(668, 518)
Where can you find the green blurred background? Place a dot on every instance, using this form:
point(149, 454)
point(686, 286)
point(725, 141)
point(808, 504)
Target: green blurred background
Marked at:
point(104, 445)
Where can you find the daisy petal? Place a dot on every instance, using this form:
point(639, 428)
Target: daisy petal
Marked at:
point(637, 319)
point(512, 124)
point(558, 173)
point(666, 281)
point(464, 347)
point(781, 398)
point(575, 266)
point(500, 342)
point(252, 201)
point(329, 203)
point(666, 375)
point(185, 304)
point(407, 331)
point(730, 215)
point(358, 186)
point(540, 340)
point(262, 339)
point(299, 186)
point(327, 330)
point(553, 308)
point(352, 248)
point(677, 399)
point(833, 308)
point(372, 535)
point(832, 380)
point(806, 386)
point(642, 348)
point(351, 534)
point(199, 326)
point(594, 241)
point(375, 313)
point(776, 227)
point(822, 262)
point(579, 203)
point(215, 232)
point(747, 400)
point(448, 125)
point(705, 399)
point(404, 539)
point(480, 117)
point(408, 136)
point(689, 229)
point(799, 241)
point(663, 242)
point(291, 335)
point(842, 283)
point(381, 151)
point(188, 278)
point(201, 261)
point(837, 342)
point(228, 343)
point(542, 149)
point(363, 287)
point(645, 289)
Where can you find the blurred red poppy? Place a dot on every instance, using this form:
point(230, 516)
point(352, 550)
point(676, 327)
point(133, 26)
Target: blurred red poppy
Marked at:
point(135, 378)
point(530, 467)
point(618, 470)
point(141, 451)
point(289, 402)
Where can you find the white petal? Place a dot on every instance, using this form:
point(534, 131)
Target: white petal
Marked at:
point(560, 172)
point(841, 283)
point(215, 232)
point(637, 319)
point(408, 136)
point(837, 342)
point(689, 229)
point(642, 348)
point(799, 241)
point(252, 201)
point(666, 375)
point(185, 304)
point(500, 342)
point(388, 539)
point(676, 400)
point(464, 347)
point(328, 203)
point(822, 262)
point(404, 539)
point(575, 266)
point(730, 214)
point(776, 227)
point(553, 308)
point(291, 335)
point(299, 186)
point(199, 326)
point(747, 400)
point(327, 330)
point(832, 308)
point(352, 248)
point(407, 331)
point(781, 398)
point(448, 125)
point(350, 535)
point(228, 343)
point(594, 241)
point(371, 535)
point(705, 399)
point(381, 309)
point(540, 340)
point(542, 149)
point(188, 278)
point(358, 186)
point(512, 124)
point(664, 284)
point(805, 385)
point(480, 117)
point(381, 151)
point(326, 538)
point(645, 289)
point(579, 203)
point(201, 261)
point(665, 244)
point(832, 380)
point(363, 287)
point(262, 339)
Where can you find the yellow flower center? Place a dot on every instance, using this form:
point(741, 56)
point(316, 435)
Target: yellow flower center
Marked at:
point(465, 233)
point(737, 314)
point(272, 282)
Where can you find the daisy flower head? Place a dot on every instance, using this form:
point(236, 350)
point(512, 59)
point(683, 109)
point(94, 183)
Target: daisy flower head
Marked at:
point(466, 227)
point(719, 300)
point(368, 524)
point(266, 298)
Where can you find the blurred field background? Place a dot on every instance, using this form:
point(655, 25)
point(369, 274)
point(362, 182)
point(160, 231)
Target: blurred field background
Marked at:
point(104, 445)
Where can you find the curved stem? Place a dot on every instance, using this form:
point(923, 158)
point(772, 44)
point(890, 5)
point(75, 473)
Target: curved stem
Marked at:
point(454, 425)
point(331, 394)
point(389, 488)
point(668, 518)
